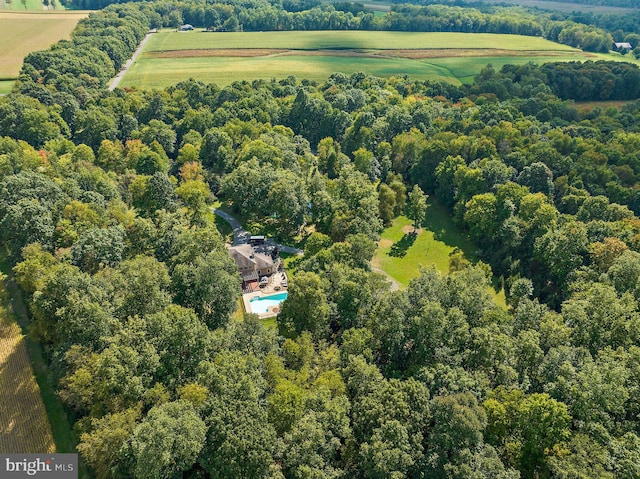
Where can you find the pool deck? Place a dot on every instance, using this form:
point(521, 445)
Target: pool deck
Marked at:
point(276, 280)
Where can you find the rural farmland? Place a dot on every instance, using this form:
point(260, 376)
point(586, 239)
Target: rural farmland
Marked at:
point(25, 32)
point(170, 57)
point(23, 420)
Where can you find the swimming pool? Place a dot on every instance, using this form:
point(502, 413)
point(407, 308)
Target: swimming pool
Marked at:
point(263, 304)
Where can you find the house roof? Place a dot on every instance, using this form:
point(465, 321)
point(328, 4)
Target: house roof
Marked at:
point(626, 45)
point(246, 257)
point(250, 276)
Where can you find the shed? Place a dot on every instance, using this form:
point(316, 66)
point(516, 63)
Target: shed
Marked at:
point(623, 46)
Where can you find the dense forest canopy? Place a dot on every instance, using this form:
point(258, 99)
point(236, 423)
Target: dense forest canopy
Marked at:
point(105, 217)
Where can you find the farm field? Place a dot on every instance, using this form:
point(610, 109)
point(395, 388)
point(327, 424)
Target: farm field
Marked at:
point(401, 255)
point(563, 6)
point(222, 58)
point(23, 420)
point(5, 86)
point(29, 5)
point(25, 32)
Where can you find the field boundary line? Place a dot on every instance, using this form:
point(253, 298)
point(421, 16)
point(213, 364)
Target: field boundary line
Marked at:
point(57, 415)
point(116, 81)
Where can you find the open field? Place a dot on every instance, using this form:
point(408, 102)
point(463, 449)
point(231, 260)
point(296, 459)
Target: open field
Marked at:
point(5, 86)
point(222, 58)
point(587, 106)
point(401, 255)
point(24, 425)
point(564, 6)
point(29, 5)
point(25, 32)
point(350, 39)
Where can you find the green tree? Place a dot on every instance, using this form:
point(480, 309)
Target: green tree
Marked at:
point(98, 248)
point(100, 447)
point(26, 222)
point(306, 307)
point(481, 216)
point(167, 442)
point(527, 429)
point(386, 203)
point(417, 207)
point(458, 422)
point(209, 284)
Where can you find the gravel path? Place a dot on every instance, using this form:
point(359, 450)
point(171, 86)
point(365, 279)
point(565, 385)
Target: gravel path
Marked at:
point(395, 286)
point(116, 81)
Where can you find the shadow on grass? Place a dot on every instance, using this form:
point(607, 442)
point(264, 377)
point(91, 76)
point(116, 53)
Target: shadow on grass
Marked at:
point(399, 249)
point(444, 229)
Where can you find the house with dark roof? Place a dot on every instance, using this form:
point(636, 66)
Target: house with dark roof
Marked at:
point(251, 264)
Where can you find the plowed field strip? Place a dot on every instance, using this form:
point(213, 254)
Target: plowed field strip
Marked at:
point(406, 53)
point(24, 425)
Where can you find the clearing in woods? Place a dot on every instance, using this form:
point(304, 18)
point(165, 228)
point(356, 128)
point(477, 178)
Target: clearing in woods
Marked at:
point(24, 32)
point(24, 425)
point(170, 57)
point(401, 254)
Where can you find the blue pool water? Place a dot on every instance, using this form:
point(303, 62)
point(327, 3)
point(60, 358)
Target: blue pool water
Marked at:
point(261, 304)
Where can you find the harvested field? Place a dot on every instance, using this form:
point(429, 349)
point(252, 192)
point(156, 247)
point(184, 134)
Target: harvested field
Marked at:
point(24, 32)
point(24, 425)
point(415, 54)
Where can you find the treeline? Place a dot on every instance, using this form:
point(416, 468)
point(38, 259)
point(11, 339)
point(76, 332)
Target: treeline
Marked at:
point(264, 16)
point(580, 81)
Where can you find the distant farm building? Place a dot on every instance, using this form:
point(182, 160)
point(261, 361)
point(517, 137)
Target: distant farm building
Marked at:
point(622, 46)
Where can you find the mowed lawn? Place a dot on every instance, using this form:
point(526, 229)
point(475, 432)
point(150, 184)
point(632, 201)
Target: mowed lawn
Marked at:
point(222, 58)
point(24, 425)
point(401, 256)
point(25, 32)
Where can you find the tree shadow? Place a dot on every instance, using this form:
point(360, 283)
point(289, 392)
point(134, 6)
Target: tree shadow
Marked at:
point(399, 249)
point(439, 221)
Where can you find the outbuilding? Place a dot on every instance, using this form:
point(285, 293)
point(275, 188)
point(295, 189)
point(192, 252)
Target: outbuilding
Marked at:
point(622, 46)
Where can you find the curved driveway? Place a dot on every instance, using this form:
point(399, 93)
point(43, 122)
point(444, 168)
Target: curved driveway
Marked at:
point(241, 236)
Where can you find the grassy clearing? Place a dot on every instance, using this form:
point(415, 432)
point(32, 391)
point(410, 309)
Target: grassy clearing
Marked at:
point(401, 256)
point(24, 32)
point(24, 425)
point(222, 58)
